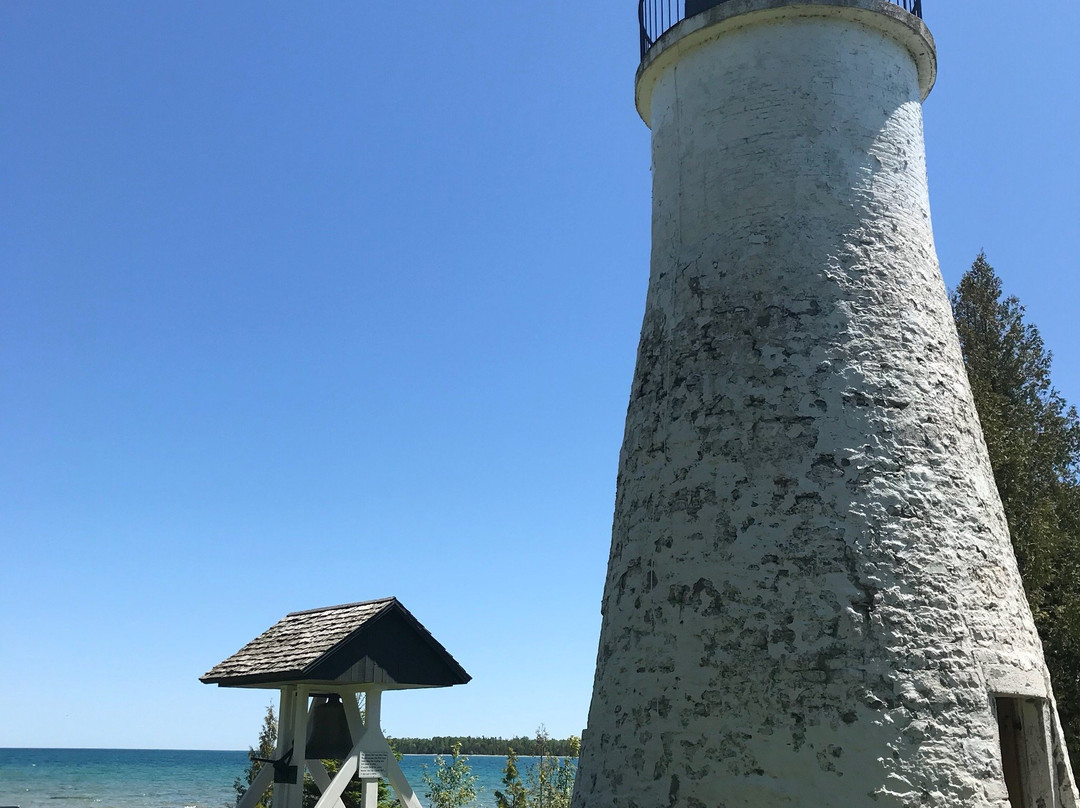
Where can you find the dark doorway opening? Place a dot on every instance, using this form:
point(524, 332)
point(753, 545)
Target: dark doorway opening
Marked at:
point(1011, 734)
point(1023, 725)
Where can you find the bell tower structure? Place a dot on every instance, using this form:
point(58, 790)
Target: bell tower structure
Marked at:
point(811, 598)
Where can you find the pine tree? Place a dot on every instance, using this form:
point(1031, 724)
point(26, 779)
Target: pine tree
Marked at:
point(1033, 439)
point(264, 750)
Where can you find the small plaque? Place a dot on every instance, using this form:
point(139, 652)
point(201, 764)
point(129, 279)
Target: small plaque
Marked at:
point(371, 765)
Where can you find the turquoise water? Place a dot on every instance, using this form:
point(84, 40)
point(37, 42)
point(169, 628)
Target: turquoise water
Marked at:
point(153, 778)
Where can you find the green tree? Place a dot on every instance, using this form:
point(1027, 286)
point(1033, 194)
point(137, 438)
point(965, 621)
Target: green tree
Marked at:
point(547, 784)
point(550, 782)
point(472, 745)
point(264, 749)
point(452, 785)
point(1033, 439)
point(514, 795)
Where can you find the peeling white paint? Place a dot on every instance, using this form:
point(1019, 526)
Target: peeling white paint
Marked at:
point(811, 597)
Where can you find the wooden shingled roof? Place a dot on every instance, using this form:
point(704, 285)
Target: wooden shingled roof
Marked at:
point(374, 642)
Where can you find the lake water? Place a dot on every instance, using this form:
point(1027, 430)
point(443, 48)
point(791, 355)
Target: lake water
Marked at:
point(153, 778)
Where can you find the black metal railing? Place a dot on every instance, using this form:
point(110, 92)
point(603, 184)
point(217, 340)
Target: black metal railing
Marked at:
point(655, 17)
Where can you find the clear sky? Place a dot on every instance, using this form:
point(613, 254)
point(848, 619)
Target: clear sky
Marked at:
point(311, 303)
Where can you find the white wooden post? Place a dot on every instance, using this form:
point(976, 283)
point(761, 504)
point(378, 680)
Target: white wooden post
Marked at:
point(283, 792)
point(353, 714)
point(300, 722)
point(369, 793)
point(375, 741)
point(373, 710)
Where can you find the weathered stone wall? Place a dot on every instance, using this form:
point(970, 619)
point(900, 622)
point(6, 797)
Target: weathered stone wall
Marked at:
point(811, 595)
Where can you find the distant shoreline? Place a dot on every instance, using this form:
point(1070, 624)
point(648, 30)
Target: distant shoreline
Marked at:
point(482, 746)
point(494, 747)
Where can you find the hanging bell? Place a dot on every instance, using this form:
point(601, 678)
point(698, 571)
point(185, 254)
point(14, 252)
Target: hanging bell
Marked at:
point(328, 730)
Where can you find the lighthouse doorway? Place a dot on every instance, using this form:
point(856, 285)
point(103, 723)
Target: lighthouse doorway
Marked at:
point(1025, 758)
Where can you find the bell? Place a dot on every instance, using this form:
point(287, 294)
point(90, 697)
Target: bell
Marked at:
point(328, 730)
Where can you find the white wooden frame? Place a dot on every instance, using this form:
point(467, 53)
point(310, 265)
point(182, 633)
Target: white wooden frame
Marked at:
point(370, 758)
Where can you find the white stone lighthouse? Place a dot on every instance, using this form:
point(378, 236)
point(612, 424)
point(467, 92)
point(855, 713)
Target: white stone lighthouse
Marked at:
point(811, 598)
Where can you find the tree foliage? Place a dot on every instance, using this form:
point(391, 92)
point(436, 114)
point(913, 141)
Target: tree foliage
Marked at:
point(513, 795)
point(549, 783)
point(264, 749)
point(451, 785)
point(1033, 439)
point(473, 745)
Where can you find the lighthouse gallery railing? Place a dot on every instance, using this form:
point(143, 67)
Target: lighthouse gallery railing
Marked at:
point(657, 16)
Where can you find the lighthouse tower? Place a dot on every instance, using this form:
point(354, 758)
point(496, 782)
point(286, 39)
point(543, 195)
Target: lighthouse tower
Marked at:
point(811, 598)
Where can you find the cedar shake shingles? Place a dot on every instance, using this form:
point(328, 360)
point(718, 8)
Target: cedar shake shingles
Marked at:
point(296, 641)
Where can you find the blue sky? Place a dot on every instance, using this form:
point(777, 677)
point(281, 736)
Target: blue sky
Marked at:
point(303, 304)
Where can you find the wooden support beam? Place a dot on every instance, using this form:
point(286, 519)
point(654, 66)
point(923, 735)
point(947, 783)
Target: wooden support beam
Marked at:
point(370, 759)
point(322, 779)
point(373, 711)
point(283, 792)
point(398, 782)
point(353, 714)
point(375, 742)
point(299, 735)
point(366, 735)
point(332, 795)
point(255, 790)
